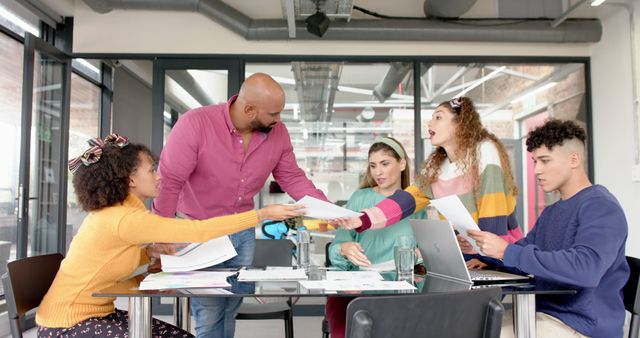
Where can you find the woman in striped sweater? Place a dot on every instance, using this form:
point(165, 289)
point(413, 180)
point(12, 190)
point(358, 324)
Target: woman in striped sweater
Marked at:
point(468, 161)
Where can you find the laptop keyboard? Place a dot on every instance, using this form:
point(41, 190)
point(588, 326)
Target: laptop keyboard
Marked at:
point(481, 275)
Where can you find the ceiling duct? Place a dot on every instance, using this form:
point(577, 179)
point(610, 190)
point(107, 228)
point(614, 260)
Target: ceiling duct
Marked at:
point(447, 8)
point(395, 74)
point(316, 86)
point(583, 30)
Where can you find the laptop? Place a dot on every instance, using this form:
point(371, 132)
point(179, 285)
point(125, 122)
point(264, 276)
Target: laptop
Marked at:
point(442, 256)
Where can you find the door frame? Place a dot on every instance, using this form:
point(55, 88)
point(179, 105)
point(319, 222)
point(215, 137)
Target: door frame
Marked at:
point(32, 44)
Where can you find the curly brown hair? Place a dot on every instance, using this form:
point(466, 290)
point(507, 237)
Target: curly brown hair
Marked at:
point(405, 178)
point(106, 182)
point(469, 134)
point(554, 133)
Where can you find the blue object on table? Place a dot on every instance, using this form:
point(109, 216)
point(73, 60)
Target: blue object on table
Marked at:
point(274, 229)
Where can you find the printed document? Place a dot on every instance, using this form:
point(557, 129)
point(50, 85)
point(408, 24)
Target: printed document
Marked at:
point(199, 255)
point(455, 212)
point(350, 275)
point(320, 209)
point(271, 274)
point(389, 265)
point(356, 285)
point(187, 279)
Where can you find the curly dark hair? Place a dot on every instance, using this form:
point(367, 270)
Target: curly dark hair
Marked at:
point(553, 133)
point(106, 182)
point(470, 133)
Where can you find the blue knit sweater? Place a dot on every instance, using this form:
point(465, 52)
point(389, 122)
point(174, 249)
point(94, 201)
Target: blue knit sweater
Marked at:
point(579, 244)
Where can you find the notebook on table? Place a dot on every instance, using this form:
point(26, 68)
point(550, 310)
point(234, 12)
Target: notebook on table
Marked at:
point(438, 245)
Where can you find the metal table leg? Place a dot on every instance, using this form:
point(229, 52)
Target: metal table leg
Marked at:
point(139, 317)
point(182, 314)
point(524, 315)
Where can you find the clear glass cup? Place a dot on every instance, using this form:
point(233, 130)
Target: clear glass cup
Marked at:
point(405, 257)
point(304, 240)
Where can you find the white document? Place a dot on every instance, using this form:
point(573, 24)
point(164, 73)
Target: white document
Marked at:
point(351, 275)
point(186, 279)
point(389, 265)
point(357, 285)
point(199, 255)
point(455, 212)
point(320, 209)
point(271, 275)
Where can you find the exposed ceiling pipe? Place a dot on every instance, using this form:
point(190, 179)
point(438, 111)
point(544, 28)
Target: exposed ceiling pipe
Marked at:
point(584, 30)
point(186, 81)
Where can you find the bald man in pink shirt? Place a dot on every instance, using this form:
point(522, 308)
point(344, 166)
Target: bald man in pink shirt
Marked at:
point(216, 159)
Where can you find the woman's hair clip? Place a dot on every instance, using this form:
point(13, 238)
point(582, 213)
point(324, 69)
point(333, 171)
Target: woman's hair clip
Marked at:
point(92, 155)
point(456, 103)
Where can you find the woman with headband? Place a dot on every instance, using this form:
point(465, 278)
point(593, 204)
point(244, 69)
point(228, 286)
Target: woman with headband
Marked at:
point(468, 161)
point(387, 171)
point(112, 180)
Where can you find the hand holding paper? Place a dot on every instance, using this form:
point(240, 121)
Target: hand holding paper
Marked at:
point(316, 208)
point(455, 212)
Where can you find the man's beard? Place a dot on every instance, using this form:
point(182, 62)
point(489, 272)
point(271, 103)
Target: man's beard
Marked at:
point(257, 125)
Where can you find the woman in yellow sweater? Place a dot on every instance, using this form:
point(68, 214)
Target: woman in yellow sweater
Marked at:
point(111, 180)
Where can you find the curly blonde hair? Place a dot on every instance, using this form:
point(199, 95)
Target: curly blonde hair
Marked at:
point(469, 134)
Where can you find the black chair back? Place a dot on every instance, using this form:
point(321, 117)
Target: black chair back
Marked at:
point(26, 282)
point(469, 314)
point(272, 252)
point(631, 293)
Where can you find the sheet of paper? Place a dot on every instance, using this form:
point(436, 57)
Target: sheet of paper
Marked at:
point(455, 212)
point(351, 275)
point(357, 285)
point(199, 255)
point(389, 265)
point(186, 279)
point(271, 275)
point(316, 208)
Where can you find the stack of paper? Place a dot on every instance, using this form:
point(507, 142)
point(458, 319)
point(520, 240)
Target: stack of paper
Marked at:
point(357, 285)
point(199, 255)
point(272, 275)
point(191, 279)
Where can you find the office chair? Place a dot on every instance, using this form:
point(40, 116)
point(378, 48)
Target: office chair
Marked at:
point(26, 282)
point(468, 314)
point(271, 253)
point(631, 293)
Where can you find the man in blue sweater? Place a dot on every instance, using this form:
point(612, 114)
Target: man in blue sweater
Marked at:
point(577, 243)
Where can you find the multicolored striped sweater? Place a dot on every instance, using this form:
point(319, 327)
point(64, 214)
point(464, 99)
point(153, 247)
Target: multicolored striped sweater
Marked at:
point(492, 206)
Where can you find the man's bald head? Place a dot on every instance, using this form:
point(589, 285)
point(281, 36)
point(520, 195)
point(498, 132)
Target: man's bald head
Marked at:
point(259, 104)
point(261, 89)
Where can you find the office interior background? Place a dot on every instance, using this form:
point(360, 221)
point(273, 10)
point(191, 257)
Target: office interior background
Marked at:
point(72, 70)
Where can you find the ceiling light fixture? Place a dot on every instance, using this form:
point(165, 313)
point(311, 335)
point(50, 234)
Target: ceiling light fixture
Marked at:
point(597, 2)
point(318, 23)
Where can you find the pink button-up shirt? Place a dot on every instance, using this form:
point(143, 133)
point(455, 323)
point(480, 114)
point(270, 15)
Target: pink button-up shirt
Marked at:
point(205, 171)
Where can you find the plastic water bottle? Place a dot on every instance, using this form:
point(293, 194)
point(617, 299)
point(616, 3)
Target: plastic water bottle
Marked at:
point(303, 248)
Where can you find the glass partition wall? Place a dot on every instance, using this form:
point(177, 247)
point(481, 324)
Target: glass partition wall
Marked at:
point(334, 111)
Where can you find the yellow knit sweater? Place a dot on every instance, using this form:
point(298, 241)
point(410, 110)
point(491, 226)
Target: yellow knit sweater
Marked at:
point(108, 248)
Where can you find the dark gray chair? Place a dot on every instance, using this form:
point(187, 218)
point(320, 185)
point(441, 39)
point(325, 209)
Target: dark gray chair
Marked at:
point(631, 293)
point(271, 253)
point(468, 314)
point(26, 282)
